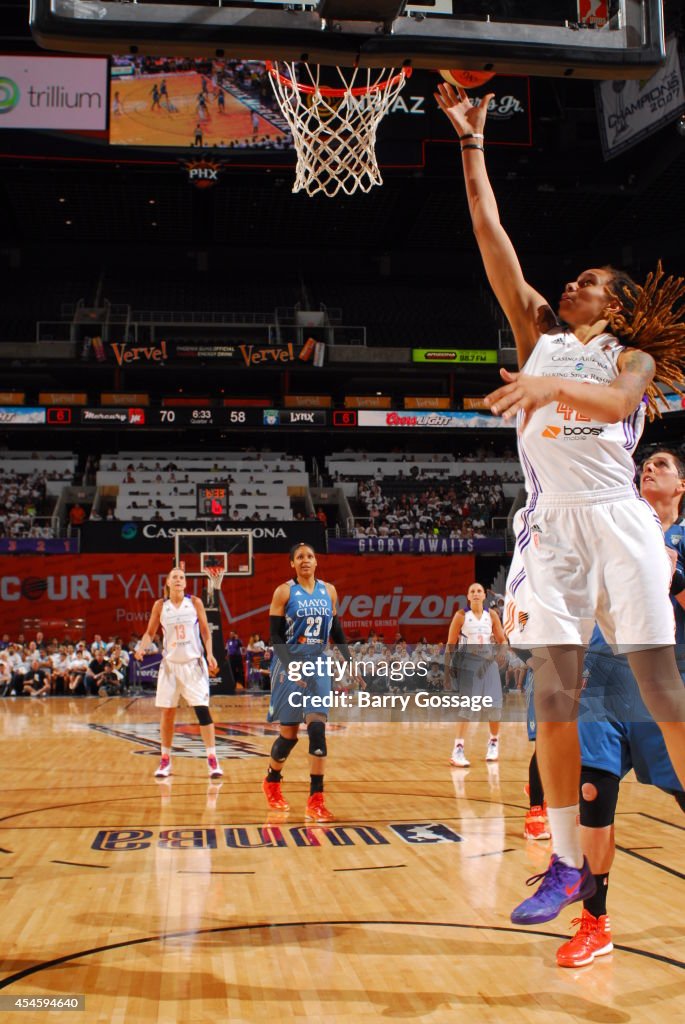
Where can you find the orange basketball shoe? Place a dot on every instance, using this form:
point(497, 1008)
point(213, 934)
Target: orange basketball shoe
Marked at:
point(317, 810)
point(592, 939)
point(274, 796)
point(536, 826)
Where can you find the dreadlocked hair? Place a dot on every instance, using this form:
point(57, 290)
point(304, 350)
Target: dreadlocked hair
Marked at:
point(651, 319)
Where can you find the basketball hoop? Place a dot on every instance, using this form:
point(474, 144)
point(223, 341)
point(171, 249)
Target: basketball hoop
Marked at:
point(334, 128)
point(215, 577)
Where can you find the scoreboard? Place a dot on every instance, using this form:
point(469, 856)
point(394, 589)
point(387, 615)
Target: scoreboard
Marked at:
point(248, 419)
point(212, 501)
point(171, 418)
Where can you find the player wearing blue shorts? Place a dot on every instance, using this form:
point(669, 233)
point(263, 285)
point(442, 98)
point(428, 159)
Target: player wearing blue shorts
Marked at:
point(302, 618)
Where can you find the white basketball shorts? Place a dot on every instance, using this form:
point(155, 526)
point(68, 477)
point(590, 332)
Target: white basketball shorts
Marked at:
point(189, 680)
point(582, 559)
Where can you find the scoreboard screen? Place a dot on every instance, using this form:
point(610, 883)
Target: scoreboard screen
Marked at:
point(212, 501)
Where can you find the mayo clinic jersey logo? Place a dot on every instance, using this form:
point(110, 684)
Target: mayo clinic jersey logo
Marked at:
point(430, 832)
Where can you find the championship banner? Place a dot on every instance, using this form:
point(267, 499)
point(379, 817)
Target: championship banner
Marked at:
point(134, 537)
point(416, 545)
point(114, 596)
point(631, 111)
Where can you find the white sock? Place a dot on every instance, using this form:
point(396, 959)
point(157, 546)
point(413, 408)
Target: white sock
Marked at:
point(494, 739)
point(166, 751)
point(458, 744)
point(211, 751)
point(563, 824)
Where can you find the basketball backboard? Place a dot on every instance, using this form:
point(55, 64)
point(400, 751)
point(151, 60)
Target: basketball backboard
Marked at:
point(198, 550)
point(566, 38)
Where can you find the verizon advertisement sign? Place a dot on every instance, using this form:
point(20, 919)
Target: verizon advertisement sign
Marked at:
point(114, 596)
point(62, 93)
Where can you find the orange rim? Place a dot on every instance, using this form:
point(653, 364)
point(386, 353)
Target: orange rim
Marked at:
point(334, 93)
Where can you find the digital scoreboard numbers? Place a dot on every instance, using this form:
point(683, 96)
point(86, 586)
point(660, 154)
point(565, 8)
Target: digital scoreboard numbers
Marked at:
point(212, 501)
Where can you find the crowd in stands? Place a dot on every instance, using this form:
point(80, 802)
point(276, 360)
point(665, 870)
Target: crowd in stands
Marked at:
point(463, 508)
point(23, 497)
point(42, 668)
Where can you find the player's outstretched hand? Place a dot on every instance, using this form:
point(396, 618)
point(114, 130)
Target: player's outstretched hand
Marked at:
point(464, 117)
point(521, 391)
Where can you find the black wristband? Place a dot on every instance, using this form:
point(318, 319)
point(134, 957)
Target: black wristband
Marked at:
point(677, 583)
point(473, 145)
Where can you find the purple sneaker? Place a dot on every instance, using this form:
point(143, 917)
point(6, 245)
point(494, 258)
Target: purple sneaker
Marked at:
point(560, 885)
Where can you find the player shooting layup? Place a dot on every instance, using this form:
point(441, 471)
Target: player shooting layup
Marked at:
point(585, 537)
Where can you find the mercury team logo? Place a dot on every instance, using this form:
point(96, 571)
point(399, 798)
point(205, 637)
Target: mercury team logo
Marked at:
point(522, 620)
point(232, 741)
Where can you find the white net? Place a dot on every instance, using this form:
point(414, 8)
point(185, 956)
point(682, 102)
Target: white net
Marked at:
point(334, 127)
point(215, 577)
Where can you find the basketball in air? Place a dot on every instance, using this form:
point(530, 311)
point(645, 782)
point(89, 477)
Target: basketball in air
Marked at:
point(467, 79)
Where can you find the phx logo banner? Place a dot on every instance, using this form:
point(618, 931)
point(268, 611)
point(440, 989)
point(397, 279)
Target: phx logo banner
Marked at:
point(202, 173)
point(9, 95)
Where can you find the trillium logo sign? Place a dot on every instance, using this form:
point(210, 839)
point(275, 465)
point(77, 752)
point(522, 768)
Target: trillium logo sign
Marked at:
point(9, 95)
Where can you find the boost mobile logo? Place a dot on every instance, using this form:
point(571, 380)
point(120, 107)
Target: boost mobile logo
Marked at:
point(9, 95)
point(583, 431)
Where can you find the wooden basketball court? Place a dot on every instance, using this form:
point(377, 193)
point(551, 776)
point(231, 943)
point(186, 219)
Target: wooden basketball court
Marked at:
point(185, 900)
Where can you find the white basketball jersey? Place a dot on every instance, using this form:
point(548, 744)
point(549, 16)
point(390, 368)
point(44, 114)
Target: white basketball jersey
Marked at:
point(477, 631)
point(181, 632)
point(562, 451)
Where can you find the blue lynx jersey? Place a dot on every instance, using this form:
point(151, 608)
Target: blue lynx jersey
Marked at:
point(308, 617)
point(675, 539)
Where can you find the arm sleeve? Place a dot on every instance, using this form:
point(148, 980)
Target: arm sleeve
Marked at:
point(337, 635)
point(277, 630)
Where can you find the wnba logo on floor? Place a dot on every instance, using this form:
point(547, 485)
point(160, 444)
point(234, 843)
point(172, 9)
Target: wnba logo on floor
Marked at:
point(9, 95)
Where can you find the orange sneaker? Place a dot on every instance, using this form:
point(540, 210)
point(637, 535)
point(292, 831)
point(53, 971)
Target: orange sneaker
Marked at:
point(592, 939)
point(536, 826)
point(274, 796)
point(317, 810)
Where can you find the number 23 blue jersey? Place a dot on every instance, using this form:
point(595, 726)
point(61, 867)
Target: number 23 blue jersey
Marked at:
point(308, 617)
